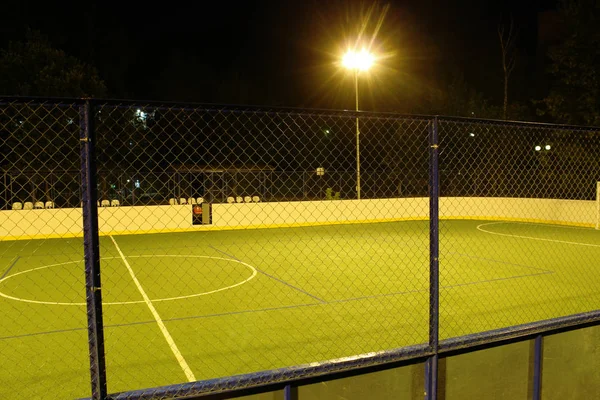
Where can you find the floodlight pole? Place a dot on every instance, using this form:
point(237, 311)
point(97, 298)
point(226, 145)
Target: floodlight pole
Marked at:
point(357, 136)
point(357, 61)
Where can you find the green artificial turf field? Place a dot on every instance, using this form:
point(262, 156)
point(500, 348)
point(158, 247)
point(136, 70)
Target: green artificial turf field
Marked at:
point(193, 306)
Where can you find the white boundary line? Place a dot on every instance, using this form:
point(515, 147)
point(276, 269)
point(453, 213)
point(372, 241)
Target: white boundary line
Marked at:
point(182, 363)
point(479, 228)
point(189, 296)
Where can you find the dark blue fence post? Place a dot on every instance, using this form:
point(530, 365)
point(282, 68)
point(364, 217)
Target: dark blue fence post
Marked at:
point(290, 392)
point(92, 252)
point(537, 368)
point(431, 366)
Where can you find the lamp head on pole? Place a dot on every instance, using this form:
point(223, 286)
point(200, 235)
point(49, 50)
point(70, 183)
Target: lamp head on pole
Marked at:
point(358, 60)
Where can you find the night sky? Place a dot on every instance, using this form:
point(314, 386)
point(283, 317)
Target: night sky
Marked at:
point(286, 52)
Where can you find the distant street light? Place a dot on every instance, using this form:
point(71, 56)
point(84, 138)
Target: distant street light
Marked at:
point(357, 61)
point(546, 147)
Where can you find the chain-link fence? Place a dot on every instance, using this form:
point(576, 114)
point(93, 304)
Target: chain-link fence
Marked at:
point(43, 333)
point(532, 189)
point(211, 245)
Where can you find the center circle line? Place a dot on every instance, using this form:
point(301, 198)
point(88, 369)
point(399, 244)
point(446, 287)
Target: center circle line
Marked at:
point(250, 267)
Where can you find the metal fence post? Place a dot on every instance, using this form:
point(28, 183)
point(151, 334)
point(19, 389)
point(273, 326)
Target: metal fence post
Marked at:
point(431, 366)
point(537, 368)
point(92, 253)
point(290, 392)
point(7, 202)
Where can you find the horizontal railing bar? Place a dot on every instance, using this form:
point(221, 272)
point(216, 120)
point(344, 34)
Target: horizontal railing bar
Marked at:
point(305, 374)
point(518, 333)
point(182, 106)
point(208, 107)
point(272, 378)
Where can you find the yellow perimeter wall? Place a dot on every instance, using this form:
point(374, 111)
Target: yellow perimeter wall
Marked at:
point(146, 219)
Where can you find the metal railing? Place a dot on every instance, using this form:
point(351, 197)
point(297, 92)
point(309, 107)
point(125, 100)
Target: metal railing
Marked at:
point(227, 251)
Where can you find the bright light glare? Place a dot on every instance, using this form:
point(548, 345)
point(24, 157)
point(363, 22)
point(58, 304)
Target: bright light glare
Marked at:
point(547, 147)
point(538, 148)
point(361, 61)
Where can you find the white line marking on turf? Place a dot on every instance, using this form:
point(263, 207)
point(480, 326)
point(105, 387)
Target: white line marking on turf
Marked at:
point(184, 365)
point(479, 227)
point(189, 296)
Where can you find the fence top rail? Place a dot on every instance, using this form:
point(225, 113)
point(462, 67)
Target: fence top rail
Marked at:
point(56, 101)
point(443, 119)
point(182, 106)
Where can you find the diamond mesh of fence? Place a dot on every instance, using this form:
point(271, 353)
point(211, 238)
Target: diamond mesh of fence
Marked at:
point(257, 299)
point(238, 240)
point(530, 191)
point(43, 335)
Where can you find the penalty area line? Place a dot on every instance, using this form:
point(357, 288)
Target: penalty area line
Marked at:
point(182, 363)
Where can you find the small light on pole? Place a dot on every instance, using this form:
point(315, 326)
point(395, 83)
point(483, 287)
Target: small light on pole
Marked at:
point(358, 61)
